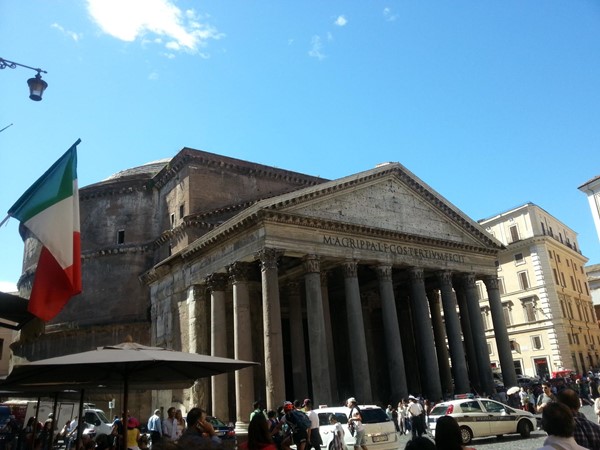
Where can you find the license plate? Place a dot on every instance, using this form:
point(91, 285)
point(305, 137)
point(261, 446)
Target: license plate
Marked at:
point(380, 438)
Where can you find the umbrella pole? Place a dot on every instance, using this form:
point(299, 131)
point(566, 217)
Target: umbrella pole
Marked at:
point(80, 422)
point(54, 418)
point(125, 406)
point(35, 423)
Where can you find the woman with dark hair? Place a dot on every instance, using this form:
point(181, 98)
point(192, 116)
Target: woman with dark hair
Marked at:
point(447, 434)
point(259, 435)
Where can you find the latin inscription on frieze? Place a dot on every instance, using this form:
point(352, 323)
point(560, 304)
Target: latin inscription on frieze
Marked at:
point(395, 249)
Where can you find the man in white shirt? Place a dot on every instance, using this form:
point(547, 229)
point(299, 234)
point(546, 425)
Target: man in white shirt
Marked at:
point(314, 437)
point(355, 418)
point(169, 425)
point(415, 412)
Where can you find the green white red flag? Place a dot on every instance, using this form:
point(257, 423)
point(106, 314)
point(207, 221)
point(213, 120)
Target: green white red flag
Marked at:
point(49, 209)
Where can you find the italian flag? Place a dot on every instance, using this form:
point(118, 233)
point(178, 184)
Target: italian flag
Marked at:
point(49, 209)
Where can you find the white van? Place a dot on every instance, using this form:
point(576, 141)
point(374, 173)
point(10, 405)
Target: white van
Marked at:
point(380, 431)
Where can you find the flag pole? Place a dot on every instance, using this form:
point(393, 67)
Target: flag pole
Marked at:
point(5, 220)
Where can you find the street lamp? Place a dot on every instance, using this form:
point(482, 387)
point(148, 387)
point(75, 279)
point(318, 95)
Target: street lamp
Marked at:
point(37, 86)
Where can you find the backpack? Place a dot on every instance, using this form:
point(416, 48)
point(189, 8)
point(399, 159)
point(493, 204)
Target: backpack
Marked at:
point(300, 421)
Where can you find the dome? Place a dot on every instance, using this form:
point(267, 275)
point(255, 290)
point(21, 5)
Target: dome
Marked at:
point(150, 169)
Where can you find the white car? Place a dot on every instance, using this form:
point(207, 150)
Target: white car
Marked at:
point(479, 417)
point(380, 431)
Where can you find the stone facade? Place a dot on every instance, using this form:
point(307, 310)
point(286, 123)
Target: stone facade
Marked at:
point(336, 288)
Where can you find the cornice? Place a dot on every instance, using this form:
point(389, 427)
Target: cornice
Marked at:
point(117, 249)
point(218, 235)
point(112, 188)
point(212, 160)
point(545, 240)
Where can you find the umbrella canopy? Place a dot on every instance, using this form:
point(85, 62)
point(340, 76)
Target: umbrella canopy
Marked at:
point(136, 365)
point(128, 365)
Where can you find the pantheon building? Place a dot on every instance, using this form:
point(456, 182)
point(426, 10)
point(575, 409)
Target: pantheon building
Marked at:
point(361, 286)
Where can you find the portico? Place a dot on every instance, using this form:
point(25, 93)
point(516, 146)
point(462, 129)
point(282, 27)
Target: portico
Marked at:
point(362, 286)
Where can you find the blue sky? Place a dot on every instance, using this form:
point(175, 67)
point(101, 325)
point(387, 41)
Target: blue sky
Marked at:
point(493, 104)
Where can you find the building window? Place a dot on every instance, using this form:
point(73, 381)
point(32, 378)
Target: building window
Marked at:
point(172, 220)
point(514, 346)
point(579, 286)
point(519, 259)
point(484, 319)
point(536, 342)
point(501, 289)
point(586, 289)
point(556, 280)
point(120, 237)
point(557, 257)
point(570, 340)
point(181, 211)
point(550, 231)
point(518, 367)
point(568, 263)
point(514, 233)
point(523, 280)
point(562, 279)
point(490, 351)
point(543, 228)
point(550, 254)
point(573, 283)
point(480, 295)
point(529, 310)
point(506, 308)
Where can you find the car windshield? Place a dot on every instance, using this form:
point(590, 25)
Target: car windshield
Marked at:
point(103, 418)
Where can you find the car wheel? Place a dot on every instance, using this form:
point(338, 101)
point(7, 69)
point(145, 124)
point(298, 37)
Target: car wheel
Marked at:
point(524, 428)
point(466, 435)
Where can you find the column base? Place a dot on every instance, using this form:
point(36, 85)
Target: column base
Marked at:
point(241, 432)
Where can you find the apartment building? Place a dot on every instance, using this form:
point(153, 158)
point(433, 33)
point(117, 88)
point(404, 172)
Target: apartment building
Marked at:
point(545, 294)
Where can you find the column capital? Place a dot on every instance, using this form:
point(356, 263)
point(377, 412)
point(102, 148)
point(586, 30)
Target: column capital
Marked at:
point(217, 282)
point(416, 274)
point(350, 268)
point(444, 277)
point(491, 282)
point(239, 271)
point(384, 272)
point(268, 258)
point(312, 264)
point(469, 280)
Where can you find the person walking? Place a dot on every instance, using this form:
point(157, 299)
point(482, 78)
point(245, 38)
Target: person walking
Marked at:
point(586, 432)
point(558, 422)
point(415, 412)
point(314, 437)
point(169, 426)
point(355, 418)
point(155, 427)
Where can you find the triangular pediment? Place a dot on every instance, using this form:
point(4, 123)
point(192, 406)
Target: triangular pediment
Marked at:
point(392, 200)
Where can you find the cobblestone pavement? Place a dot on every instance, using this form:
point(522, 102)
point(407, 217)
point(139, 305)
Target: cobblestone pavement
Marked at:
point(511, 441)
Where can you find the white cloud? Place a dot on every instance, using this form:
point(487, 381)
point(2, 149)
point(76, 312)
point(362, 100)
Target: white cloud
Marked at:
point(316, 50)
point(8, 286)
point(75, 36)
point(153, 76)
point(129, 20)
point(388, 15)
point(341, 21)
